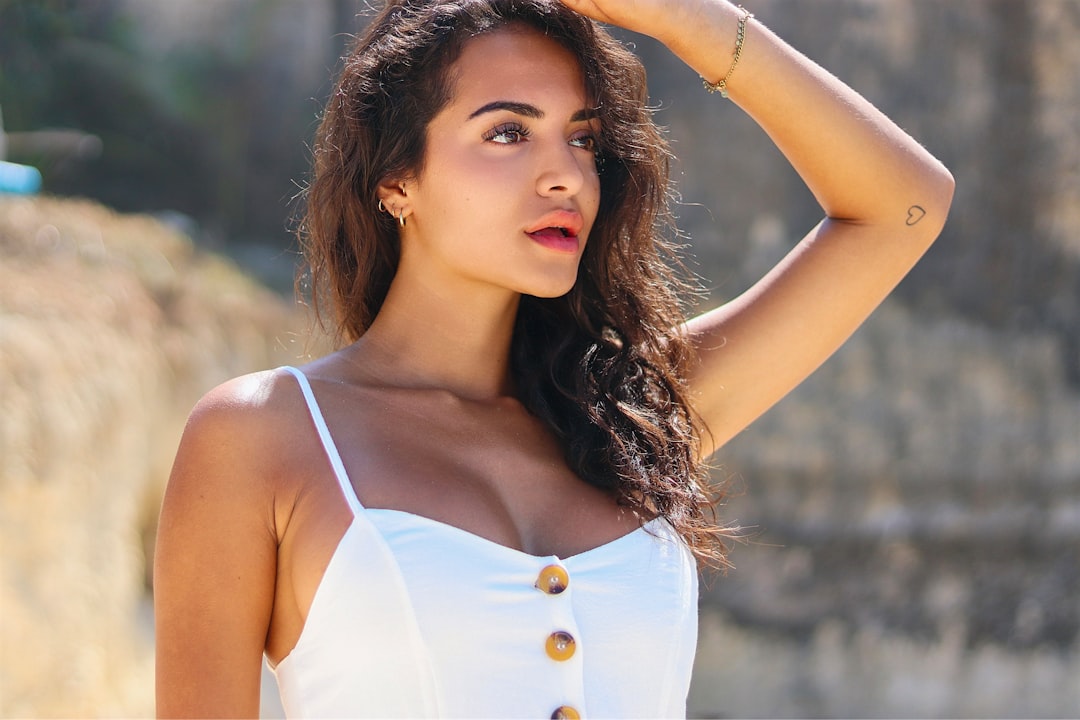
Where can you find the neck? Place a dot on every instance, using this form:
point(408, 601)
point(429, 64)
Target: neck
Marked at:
point(427, 339)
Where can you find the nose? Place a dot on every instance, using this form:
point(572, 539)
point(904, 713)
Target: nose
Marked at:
point(561, 171)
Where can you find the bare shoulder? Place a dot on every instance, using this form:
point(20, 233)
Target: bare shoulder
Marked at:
point(244, 403)
point(246, 413)
point(235, 448)
point(226, 504)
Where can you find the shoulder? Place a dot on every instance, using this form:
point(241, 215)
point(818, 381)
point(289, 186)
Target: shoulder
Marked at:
point(226, 505)
point(246, 399)
point(250, 409)
point(239, 445)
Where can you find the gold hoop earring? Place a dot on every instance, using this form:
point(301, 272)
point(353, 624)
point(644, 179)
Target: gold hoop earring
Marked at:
point(401, 218)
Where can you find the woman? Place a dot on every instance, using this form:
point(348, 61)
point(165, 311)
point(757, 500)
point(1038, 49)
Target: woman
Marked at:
point(488, 502)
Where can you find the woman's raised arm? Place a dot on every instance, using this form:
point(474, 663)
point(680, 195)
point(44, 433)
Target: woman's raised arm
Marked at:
point(215, 563)
point(885, 200)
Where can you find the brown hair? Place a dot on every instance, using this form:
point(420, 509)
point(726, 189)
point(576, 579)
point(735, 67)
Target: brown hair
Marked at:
point(602, 365)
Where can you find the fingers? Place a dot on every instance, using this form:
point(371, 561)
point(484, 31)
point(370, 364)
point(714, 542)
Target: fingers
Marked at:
point(589, 9)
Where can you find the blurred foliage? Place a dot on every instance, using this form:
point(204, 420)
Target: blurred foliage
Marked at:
point(172, 128)
point(73, 64)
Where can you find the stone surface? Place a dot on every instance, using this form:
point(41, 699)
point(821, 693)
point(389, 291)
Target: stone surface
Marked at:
point(912, 519)
point(110, 328)
point(914, 507)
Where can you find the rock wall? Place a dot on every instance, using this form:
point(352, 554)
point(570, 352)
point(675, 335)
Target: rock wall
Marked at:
point(914, 507)
point(110, 328)
point(912, 519)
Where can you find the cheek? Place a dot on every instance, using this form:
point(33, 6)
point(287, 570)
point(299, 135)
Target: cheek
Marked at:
point(591, 193)
point(464, 177)
point(449, 187)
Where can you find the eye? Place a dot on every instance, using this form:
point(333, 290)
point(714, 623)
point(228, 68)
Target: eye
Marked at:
point(507, 133)
point(585, 141)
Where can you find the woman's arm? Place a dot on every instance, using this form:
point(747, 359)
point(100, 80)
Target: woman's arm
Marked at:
point(885, 199)
point(215, 563)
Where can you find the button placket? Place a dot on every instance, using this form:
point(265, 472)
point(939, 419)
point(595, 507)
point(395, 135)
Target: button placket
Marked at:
point(562, 641)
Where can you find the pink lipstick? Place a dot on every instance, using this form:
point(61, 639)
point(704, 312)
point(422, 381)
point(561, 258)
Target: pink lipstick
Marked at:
point(558, 230)
point(555, 239)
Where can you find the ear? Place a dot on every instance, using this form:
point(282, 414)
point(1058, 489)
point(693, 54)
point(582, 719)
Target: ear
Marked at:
point(394, 195)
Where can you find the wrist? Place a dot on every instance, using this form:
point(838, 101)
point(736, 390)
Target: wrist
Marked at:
point(696, 29)
point(721, 85)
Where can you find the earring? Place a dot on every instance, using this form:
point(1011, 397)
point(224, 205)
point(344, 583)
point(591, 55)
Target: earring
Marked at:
point(381, 208)
point(401, 218)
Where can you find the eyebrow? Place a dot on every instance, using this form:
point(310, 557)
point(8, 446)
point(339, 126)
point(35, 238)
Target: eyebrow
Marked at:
point(530, 111)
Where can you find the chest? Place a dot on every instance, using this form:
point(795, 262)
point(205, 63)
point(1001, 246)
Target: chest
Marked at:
point(490, 469)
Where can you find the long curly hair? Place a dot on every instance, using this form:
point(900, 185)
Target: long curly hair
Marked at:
point(603, 365)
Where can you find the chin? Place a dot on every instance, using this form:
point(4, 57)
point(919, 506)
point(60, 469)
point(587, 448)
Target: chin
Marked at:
point(549, 296)
point(551, 290)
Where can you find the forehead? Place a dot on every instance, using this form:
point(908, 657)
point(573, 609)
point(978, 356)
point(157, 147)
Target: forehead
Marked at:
point(516, 63)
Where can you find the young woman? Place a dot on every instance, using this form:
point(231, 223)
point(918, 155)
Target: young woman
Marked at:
point(489, 501)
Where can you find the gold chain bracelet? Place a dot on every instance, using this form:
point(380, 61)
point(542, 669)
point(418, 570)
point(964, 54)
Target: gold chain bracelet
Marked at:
point(740, 38)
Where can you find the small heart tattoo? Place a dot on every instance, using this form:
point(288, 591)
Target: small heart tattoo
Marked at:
point(915, 214)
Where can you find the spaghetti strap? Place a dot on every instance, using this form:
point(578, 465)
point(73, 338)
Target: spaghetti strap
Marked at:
point(327, 441)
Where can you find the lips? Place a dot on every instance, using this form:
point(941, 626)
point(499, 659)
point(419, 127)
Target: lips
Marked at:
point(558, 230)
point(551, 234)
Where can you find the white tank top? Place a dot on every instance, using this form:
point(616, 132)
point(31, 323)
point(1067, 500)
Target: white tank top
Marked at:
point(416, 618)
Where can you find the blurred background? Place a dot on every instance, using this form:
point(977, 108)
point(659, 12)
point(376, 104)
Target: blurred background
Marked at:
point(912, 511)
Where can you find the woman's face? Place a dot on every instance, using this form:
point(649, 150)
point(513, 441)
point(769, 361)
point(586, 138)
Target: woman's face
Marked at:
point(509, 188)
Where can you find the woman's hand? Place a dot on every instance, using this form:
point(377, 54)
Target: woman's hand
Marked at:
point(692, 29)
point(661, 19)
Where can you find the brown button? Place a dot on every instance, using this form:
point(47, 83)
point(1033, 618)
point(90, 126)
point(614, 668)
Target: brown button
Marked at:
point(553, 579)
point(560, 646)
point(565, 713)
